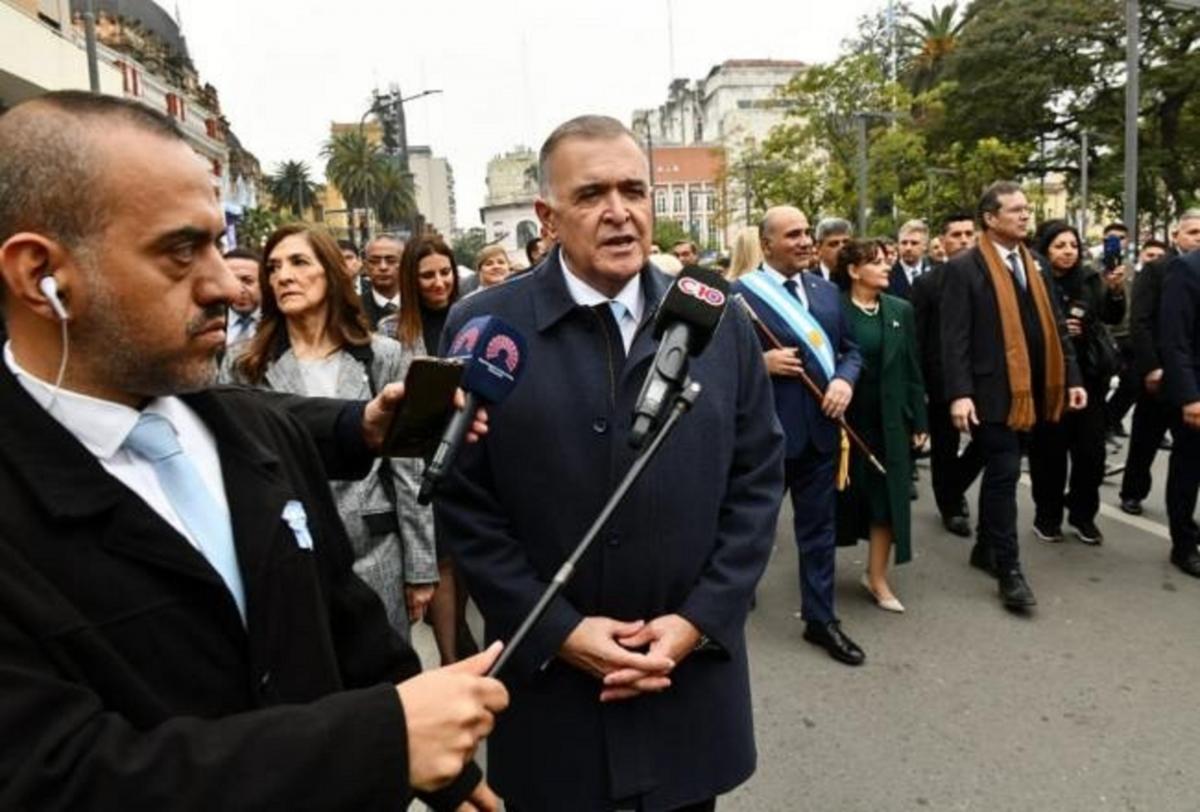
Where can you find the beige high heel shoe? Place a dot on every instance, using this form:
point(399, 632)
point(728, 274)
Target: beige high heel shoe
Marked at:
point(890, 604)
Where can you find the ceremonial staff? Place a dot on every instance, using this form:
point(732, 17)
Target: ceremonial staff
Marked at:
point(812, 387)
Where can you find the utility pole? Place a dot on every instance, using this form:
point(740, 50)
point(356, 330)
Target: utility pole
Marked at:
point(89, 33)
point(860, 119)
point(1132, 93)
point(1083, 185)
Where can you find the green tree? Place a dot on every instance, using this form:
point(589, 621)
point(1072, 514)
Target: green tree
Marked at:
point(394, 201)
point(467, 245)
point(256, 225)
point(927, 41)
point(291, 187)
point(368, 178)
point(668, 232)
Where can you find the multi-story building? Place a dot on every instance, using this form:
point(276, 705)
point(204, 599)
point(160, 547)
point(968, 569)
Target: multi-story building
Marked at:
point(732, 108)
point(685, 190)
point(141, 55)
point(508, 215)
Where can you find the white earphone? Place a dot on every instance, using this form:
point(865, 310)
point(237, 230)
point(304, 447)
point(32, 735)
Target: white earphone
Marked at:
point(48, 285)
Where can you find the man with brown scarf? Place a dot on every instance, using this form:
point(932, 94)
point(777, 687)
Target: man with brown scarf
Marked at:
point(1008, 363)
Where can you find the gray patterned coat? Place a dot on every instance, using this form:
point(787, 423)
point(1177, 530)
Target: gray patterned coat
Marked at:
point(386, 561)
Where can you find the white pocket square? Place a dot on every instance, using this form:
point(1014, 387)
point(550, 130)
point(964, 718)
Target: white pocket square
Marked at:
point(297, 519)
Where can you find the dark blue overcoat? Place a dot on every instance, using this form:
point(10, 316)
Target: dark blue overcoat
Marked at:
point(692, 538)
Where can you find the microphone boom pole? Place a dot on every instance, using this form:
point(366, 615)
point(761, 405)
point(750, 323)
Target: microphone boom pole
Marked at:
point(812, 387)
point(683, 402)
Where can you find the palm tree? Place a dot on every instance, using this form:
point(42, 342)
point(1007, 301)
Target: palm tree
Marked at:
point(292, 187)
point(929, 40)
point(395, 202)
point(353, 164)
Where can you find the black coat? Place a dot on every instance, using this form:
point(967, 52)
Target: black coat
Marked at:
point(973, 355)
point(128, 680)
point(925, 297)
point(1179, 336)
point(898, 284)
point(1143, 319)
point(692, 538)
point(1084, 287)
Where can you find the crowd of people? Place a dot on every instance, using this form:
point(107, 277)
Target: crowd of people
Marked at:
point(208, 590)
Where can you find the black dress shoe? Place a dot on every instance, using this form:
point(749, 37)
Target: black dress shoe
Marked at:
point(1015, 591)
point(964, 509)
point(830, 637)
point(1132, 506)
point(982, 558)
point(912, 491)
point(958, 525)
point(1188, 561)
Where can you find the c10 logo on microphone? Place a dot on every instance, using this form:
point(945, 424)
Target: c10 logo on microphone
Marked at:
point(698, 290)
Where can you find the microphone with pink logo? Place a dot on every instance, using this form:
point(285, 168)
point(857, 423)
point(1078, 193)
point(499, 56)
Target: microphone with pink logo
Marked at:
point(493, 357)
point(686, 320)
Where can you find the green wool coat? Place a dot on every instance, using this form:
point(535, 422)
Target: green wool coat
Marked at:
point(903, 401)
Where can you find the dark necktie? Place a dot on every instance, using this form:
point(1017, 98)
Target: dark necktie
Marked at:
point(611, 328)
point(790, 286)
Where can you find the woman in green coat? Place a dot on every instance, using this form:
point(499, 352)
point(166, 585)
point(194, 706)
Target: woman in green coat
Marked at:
point(888, 411)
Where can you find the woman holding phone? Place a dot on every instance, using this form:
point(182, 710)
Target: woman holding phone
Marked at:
point(314, 340)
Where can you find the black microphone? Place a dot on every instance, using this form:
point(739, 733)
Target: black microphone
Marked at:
point(686, 320)
point(493, 356)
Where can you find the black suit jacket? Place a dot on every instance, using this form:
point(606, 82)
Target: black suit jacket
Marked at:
point(374, 312)
point(127, 677)
point(1143, 317)
point(973, 360)
point(898, 284)
point(925, 297)
point(1179, 336)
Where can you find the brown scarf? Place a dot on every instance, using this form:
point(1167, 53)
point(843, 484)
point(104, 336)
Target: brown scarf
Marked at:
point(1021, 414)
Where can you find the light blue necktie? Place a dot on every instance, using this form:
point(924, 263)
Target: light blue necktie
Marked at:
point(619, 312)
point(1018, 268)
point(153, 438)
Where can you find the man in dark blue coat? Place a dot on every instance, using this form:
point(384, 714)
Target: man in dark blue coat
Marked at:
point(1179, 347)
point(633, 691)
point(812, 436)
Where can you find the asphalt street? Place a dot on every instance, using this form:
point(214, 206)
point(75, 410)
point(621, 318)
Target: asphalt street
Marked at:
point(1089, 703)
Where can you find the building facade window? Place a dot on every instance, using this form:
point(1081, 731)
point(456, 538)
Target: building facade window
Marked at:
point(677, 202)
point(694, 200)
point(660, 201)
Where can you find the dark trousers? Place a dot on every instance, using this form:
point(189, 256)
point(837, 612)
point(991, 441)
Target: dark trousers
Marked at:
point(810, 481)
point(1000, 448)
point(1150, 421)
point(952, 473)
point(1126, 393)
point(1183, 482)
point(1079, 435)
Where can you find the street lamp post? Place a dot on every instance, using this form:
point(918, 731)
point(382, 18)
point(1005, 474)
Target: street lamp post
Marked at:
point(1132, 91)
point(860, 119)
point(89, 33)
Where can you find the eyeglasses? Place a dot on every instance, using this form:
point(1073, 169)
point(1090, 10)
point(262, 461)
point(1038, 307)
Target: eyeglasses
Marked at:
point(376, 262)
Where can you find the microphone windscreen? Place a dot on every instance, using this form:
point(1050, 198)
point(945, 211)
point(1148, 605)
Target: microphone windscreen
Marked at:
point(697, 298)
point(493, 356)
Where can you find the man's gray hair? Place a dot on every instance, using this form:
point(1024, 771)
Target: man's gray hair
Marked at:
point(989, 203)
point(591, 127)
point(914, 226)
point(383, 235)
point(832, 227)
point(1190, 214)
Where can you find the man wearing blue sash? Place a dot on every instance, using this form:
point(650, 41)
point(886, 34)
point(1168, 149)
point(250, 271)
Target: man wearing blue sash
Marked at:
point(804, 312)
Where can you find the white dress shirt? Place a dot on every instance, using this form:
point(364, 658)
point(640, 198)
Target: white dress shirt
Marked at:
point(383, 301)
point(911, 271)
point(101, 426)
point(630, 298)
point(780, 278)
point(826, 273)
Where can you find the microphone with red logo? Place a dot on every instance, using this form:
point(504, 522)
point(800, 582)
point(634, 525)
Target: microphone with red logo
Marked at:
point(493, 357)
point(686, 320)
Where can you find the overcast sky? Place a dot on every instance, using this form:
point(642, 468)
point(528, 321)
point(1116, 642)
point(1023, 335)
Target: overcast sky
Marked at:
point(509, 71)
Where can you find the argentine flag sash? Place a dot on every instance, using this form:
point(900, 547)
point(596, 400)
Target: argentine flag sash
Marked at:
point(794, 315)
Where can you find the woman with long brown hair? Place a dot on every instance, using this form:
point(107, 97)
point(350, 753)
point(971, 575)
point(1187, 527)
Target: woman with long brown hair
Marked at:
point(314, 340)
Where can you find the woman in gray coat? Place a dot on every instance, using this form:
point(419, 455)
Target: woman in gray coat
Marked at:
point(314, 340)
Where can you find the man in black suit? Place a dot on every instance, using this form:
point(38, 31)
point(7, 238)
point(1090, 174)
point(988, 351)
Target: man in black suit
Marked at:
point(831, 235)
point(911, 263)
point(381, 297)
point(1008, 363)
point(1151, 415)
point(1179, 346)
point(952, 473)
point(180, 625)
